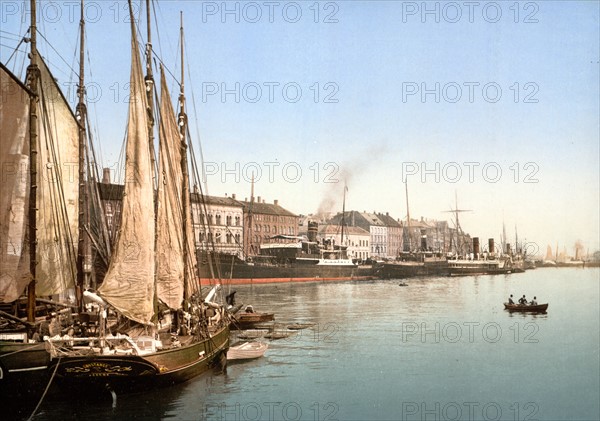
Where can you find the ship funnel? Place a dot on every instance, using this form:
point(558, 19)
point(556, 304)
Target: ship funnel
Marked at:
point(106, 175)
point(476, 246)
point(423, 240)
point(491, 246)
point(508, 249)
point(313, 228)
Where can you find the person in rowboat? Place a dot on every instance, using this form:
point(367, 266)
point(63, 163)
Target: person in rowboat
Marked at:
point(523, 300)
point(533, 302)
point(510, 299)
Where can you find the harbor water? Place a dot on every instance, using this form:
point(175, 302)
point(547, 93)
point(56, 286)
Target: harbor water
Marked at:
point(437, 349)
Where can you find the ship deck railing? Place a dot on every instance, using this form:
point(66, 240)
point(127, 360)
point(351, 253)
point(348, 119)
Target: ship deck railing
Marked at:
point(120, 345)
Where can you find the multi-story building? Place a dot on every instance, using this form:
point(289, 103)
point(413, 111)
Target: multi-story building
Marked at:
point(371, 223)
point(433, 235)
point(394, 235)
point(266, 223)
point(111, 196)
point(218, 221)
point(356, 239)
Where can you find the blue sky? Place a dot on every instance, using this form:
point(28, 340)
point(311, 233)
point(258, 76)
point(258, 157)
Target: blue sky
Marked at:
point(367, 124)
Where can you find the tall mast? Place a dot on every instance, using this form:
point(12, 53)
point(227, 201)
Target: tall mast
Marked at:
point(149, 79)
point(32, 80)
point(407, 214)
point(185, 188)
point(459, 233)
point(343, 214)
point(81, 117)
point(250, 245)
point(459, 238)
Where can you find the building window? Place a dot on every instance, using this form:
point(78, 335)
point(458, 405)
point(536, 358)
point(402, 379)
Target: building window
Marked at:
point(228, 220)
point(218, 219)
point(237, 221)
point(237, 238)
point(228, 238)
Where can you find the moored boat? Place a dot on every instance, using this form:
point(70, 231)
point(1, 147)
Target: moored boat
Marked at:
point(156, 326)
point(39, 217)
point(478, 263)
point(462, 267)
point(249, 319)
point(254, 317)
point(417, 264)
point(247, 351)
point(300, 261)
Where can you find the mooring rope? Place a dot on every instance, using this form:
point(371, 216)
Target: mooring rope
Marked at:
point(45, 391)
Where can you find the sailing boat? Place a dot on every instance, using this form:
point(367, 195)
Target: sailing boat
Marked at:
point(164, 331)
point(39, 217)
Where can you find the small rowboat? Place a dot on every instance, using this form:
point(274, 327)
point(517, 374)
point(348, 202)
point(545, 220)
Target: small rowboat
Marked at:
point(254, 317)
point(250, 320)
point(247, 351)
point(300, 326)
point(538, 308)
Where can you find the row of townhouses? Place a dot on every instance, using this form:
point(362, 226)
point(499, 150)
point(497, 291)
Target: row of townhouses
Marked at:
point(240, 227)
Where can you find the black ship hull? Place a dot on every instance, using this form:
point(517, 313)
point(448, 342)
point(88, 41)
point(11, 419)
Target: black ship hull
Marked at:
point(241, 272)
point(399, 270)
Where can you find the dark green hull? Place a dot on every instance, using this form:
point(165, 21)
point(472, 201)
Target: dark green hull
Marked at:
point(129, 374)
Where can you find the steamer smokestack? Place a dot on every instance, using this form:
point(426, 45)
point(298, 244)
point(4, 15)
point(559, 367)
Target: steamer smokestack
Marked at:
point(313, 228)
point(476, 246)
point(106, 175)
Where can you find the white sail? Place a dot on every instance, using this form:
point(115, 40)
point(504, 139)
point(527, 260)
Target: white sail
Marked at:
point(169, 243)
point(58, 189)
point(129, 282)
point(14, 187)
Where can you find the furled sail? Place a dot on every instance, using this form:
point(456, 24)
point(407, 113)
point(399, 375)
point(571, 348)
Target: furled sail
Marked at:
point(169, 243)
point(129, 282)
point(14, 187)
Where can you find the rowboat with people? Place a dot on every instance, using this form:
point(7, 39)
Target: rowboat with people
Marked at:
point(526, 308)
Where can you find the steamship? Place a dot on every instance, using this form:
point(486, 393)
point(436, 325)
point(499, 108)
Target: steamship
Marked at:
point(297, 259)
point(412, 264)
point(477, 263)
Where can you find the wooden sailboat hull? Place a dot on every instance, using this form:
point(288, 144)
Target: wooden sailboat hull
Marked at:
point(23, 369)
point(132, 373)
